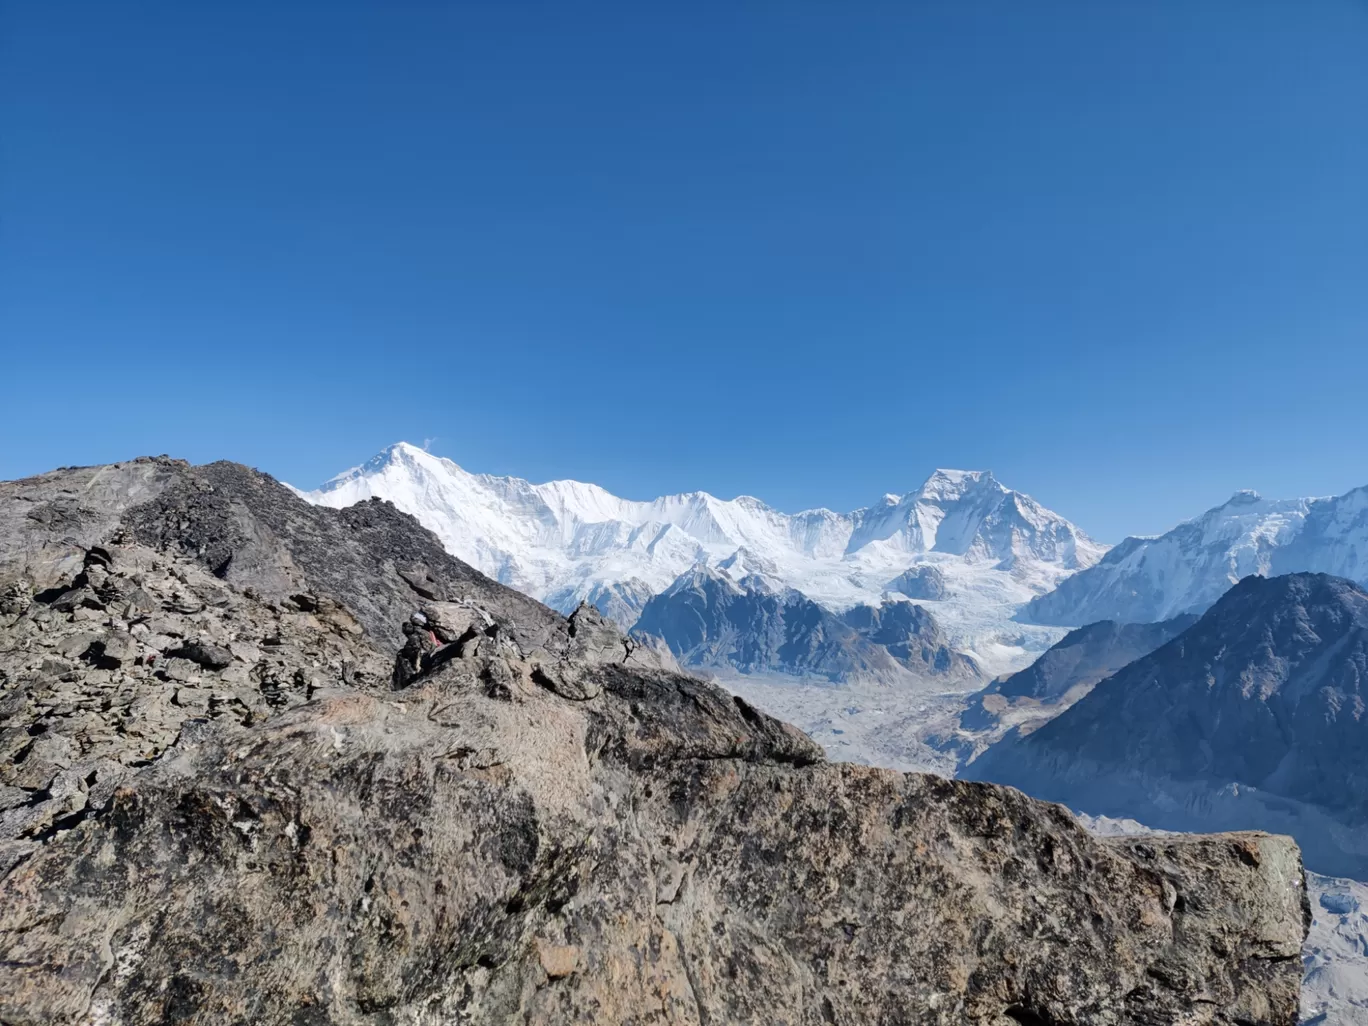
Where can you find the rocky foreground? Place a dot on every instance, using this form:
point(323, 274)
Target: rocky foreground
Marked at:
point(214, 808)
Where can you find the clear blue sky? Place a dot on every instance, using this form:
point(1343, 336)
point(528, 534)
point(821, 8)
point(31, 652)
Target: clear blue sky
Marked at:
point(1116, 252)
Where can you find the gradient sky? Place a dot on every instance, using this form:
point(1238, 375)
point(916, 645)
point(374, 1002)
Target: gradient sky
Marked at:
point(1117, 253)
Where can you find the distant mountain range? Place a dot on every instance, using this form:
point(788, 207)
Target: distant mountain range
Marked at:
point(970, 548)
point(1188, 568)
point(998, 575)
point(1256, 716)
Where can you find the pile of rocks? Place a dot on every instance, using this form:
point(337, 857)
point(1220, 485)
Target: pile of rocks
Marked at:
point(106, 670)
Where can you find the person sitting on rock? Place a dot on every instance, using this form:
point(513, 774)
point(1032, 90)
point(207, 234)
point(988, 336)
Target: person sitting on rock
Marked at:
point(413, 659)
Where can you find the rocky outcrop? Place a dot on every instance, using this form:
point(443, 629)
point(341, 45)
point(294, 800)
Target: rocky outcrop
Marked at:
point(1254, 716)
point(924, 581)
point(547, 825)
point(911, 635)
point(709, 619)
point(620, 601)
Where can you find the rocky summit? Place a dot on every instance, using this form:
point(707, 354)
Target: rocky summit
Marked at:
point(234, 789)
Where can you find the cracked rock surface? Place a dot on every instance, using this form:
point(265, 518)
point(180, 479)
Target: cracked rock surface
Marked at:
point(215, 809)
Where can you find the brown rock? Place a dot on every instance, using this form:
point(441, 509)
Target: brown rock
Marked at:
point(557, 960)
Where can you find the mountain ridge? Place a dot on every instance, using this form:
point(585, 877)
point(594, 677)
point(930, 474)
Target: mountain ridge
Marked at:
point(1187, 568)
point(992, 548)
point(710, 619)
point(1060, 677)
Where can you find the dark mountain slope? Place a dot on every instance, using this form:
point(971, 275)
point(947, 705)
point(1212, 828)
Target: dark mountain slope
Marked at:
point(1254, 715)
point(911, 636)
point(1066, 672)
point(709, 620)
point(1087, 655)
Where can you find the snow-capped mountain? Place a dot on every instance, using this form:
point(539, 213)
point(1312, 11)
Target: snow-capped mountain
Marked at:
point(1190, 567)
point(990, 549)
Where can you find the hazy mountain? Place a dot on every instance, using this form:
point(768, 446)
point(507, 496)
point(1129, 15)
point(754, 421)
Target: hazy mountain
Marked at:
point(911, 635)
point(1087, 655)
point(1063, 675)
point(1253, 717)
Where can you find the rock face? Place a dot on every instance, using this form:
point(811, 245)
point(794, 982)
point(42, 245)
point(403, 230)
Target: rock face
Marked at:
point(911, 636)
point(547, 825)
point(620, 601)
point(926, 581)
point(1254, 715)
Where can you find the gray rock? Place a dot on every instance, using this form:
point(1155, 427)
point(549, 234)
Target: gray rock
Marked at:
point(925, 581)
point(709, 620)
point(1340, 903)
point(620, 601)
point(202, 653)
point(307, 846)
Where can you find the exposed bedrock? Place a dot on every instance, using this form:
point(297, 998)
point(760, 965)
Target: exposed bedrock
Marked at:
point(215, 810)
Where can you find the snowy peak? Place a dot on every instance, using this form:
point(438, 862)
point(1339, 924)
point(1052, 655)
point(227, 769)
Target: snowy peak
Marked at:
point(969, 513)
point(373, 467)
point(1244, 497)
point(703, 578)
point(952, 485)
point(567, 541)
point(743, 563)
point(1188, 568)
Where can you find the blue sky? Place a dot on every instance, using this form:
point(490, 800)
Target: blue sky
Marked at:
point(1117, 253)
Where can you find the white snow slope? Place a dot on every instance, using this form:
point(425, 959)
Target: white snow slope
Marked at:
point(564, 541)
point(1143, 580)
